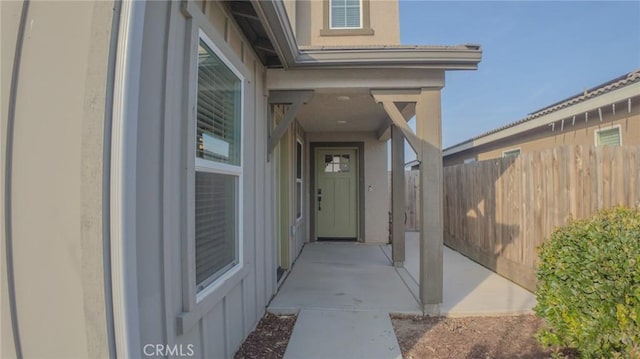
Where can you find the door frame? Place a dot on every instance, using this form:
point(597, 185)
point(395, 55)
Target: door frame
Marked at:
point(359, 146)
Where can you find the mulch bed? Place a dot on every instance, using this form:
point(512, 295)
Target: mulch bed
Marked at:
point(470, 337)
point(270, 338)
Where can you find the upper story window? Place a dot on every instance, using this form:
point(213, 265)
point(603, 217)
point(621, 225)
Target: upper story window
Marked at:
point(218, 166)
point(346, 18)
point(346, 14)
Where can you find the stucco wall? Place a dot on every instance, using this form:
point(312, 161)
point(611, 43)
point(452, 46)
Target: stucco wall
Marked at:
point(10, 22)
point(580, 134)
point(375, 176)
point(384, 20)
point(56, 178)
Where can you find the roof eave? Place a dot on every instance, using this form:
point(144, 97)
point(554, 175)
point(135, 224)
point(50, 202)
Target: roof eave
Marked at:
point(276, 22)
point(529, 123)
point(444, 59)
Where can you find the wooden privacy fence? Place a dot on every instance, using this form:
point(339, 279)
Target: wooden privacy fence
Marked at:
point(498, 211)
point(411, 204)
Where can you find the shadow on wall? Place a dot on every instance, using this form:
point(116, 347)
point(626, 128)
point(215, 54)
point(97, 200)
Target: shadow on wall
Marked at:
point(476, 195)
point(498, 211)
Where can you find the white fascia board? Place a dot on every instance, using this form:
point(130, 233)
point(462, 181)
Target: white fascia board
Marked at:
point(593, 104)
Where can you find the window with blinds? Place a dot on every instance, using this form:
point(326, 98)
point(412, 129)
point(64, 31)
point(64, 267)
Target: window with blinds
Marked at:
point(346, 14)
point(218, 111)
point(218, 167)
point(608, 137)
point(216, 224)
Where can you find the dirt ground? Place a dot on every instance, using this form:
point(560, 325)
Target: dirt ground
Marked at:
point(424, 337)
point(469, 337)
point(270, 338)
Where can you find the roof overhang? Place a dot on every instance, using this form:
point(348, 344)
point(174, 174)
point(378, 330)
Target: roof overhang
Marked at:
point(352, 72)
point(464, 57)
point(274, 19)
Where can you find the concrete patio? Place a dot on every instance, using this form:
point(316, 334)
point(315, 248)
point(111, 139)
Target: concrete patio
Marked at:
point(343, 294)
point(360, 277)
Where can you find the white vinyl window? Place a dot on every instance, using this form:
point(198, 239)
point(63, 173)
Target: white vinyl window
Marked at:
point(608, 137)
point(511, 153)
point(218, 165)
point(345, 14)
point(298, 179)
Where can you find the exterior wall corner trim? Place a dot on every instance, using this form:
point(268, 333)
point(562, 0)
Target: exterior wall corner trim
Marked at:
point(122, 181)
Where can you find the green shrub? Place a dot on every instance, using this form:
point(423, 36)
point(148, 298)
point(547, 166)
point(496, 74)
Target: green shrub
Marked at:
point(589, 285)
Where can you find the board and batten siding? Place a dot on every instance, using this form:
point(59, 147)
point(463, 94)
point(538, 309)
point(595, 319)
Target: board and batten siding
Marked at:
point(216, 326)
point(295, 229)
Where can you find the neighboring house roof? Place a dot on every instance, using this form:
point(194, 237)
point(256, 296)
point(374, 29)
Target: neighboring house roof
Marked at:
point(592, 92)
point(618, 83)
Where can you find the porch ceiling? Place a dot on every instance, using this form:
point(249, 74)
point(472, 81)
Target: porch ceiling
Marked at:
point(345, 95)
point(340, 110)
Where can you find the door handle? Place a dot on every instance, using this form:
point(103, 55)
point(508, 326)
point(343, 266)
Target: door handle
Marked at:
point(319, 199)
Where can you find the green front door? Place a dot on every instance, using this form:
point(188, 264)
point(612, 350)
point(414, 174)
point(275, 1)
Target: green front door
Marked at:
point(336, 193)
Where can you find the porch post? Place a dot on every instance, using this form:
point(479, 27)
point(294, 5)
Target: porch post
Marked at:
point(427, 143)
point(429, 131)
point(397, 196)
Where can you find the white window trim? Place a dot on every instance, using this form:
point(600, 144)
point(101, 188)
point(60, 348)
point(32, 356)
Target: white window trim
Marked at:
point(220, 168)
point(194, 307)
point(343, 27)
point(301, 179)
point(512, 150)
point(597, 131)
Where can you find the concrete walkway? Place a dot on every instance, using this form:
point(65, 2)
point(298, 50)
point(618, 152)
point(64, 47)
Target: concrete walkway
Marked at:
point(344, 276)
point(469, 288)
point(343, 293)
point(342, 334)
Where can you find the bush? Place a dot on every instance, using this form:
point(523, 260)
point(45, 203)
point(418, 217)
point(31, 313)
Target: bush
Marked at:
point(589, 285)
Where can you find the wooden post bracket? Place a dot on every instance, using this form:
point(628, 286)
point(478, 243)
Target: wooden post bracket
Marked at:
point(388, 100)
point(296, 99)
